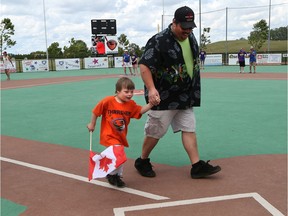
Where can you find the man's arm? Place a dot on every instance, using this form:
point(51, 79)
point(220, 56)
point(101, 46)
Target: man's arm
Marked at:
point(146, 75)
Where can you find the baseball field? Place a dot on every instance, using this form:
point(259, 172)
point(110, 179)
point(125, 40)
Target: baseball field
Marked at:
point(241, 126)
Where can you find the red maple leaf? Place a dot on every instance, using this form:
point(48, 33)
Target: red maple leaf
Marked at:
point(104, 163)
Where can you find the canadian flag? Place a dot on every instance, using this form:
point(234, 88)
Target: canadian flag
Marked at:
point(100, 165)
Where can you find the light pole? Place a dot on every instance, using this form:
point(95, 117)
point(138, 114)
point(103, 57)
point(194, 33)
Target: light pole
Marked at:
point(162, 27)
point(269, 26)
point(44, 14)
point(200, 23)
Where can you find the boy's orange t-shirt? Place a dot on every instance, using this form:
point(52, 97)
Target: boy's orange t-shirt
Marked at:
point(115, 120)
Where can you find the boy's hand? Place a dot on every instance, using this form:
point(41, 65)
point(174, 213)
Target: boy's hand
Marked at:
point(90, 127)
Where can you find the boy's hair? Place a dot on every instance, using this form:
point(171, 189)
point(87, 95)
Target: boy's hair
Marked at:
point(124, 82)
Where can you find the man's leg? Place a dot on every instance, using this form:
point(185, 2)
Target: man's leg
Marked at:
point(189, 141)
point(156, 126)
point(200, 169)
point(148, 145)
point(142, 164)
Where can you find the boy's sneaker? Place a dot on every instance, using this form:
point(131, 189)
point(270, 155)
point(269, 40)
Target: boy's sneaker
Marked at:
point(115, 180)
point(144, 167)
point(203, 169)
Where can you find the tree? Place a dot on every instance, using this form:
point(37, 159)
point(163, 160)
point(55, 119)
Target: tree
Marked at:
point(6, 31)
point(242, 38)
point(123, 41)
point(38, 55)
point(259, 34)
point(205, 38)
point(279, 33)
point(77, 48)
point(134, 47)
point(55, 51)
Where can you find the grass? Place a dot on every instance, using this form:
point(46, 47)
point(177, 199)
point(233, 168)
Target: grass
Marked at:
point(235, 45)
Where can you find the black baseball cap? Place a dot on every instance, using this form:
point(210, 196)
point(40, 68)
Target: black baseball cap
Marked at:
point(185, 16)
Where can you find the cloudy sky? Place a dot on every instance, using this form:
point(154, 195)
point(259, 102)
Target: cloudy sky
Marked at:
point(139, 19)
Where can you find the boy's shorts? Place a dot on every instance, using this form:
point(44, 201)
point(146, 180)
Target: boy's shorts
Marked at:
point(158, 122)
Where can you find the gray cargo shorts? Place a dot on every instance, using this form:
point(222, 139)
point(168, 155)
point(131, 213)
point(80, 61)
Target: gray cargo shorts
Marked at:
point(158, 122)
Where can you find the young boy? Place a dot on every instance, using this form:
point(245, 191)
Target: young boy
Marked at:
point(116, 112)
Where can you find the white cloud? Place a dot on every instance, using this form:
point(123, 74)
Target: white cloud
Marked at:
point(139, 20)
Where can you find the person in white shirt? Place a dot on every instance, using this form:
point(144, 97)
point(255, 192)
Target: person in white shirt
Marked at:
point(7, 64)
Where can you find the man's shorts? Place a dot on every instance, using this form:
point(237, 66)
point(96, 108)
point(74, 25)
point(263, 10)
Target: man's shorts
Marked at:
point(252, 62)
point(127, 64)
point(242, 63)
point(158, 122)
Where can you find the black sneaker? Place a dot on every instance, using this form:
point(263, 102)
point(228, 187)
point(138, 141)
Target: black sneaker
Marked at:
point(115, 180)
point(144, 167)
point(203, 169)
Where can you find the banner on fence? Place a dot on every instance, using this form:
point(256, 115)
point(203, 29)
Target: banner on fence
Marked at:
point(34, 65)
point(118, 61)
point(213, 60)
point(67, 64)
point(260, 59)
point(233, 59)
point(269, 59)
point(97, 62)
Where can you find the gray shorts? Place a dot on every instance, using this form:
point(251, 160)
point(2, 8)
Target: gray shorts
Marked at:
point(158, 122)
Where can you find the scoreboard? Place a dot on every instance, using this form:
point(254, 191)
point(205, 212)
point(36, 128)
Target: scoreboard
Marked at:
point(103, 26)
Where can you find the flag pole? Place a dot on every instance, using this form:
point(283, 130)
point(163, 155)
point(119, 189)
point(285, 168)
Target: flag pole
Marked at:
point(90, 140)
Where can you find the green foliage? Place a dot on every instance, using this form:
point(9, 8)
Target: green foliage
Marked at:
point(55, 51)
point(77, 48)
point(279, 33)
point(38, 55)
point(6, 31)
point(205, 38)
point(123, 41)
point(259, 34)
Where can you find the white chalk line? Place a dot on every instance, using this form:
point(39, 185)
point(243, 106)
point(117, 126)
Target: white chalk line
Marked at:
point(55, 82)
point(85, 179)
point(35, 85)
point(121, 211)
point(256, 196)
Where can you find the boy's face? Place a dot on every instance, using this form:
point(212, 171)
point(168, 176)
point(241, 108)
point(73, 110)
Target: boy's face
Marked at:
point(125, 94)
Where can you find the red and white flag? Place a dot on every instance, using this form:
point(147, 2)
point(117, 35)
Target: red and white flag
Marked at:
point(100, 165)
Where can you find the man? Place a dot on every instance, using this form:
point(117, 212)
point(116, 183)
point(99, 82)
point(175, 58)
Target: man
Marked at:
point(170, 71)
point(252, 59)
point(241, 59)
point(202, 56)
point(127, 62)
